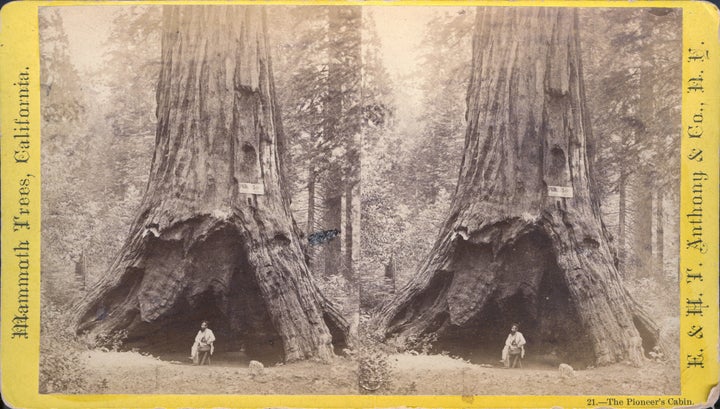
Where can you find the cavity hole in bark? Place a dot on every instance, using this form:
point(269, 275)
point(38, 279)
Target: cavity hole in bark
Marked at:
point(557, 166)
point(248, 162)
point(281, 239)
point(144, 214)
point(591, 243)
point(248, 151)
point(558, 156)
point(529, 288)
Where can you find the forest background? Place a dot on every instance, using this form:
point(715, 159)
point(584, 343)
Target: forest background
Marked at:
point(406, 76)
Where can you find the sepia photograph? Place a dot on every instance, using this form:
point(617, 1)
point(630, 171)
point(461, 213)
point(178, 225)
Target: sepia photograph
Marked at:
point(360, 200)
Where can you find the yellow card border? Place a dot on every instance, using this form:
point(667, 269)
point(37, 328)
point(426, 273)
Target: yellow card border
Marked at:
point(19, 52)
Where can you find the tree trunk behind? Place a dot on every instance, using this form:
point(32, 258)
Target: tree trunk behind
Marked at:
point(310, 228)
point(644, 185)
point(509, 251)
point(642, 237)
point(352, 115)
point(331, 251)
point(349, 232)
point(202, 247)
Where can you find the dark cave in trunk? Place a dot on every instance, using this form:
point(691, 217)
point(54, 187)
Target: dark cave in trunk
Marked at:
point(530, 291)
point(222, 290)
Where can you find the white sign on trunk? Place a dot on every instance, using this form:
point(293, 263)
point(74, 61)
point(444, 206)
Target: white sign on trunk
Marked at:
point(560, 191)
point(252, 188)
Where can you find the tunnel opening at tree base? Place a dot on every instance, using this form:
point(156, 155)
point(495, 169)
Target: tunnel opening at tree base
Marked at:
point(218, 285)
point(528, 288)
point(237, 339)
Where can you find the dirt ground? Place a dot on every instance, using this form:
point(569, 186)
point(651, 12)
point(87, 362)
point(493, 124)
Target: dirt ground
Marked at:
point(437, 375)
point(132, 372)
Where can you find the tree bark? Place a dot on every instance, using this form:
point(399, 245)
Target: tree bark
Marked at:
point(509, 251)
point(659, 235)
point(622, 213)
point(642, 226)
point(642, 232)
point(390, 274)
point(202, 247)
point(348, 269)
point(352, 126)
point(331, 251)
point(310, 228)
point(81, 271)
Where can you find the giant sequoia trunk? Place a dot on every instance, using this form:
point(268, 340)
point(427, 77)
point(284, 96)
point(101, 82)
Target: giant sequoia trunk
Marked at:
point(510, 250)
point(204, 244)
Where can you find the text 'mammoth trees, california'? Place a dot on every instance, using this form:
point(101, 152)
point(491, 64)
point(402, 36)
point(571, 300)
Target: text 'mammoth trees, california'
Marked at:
point(524, 240)
point(214, 238)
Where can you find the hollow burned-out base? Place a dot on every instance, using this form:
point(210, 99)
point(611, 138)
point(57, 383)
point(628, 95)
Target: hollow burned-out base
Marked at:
point(175, 334)
point(194, 272)
point(472, 305)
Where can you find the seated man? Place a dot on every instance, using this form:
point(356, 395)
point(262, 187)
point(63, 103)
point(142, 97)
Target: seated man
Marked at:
point(514, 347)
